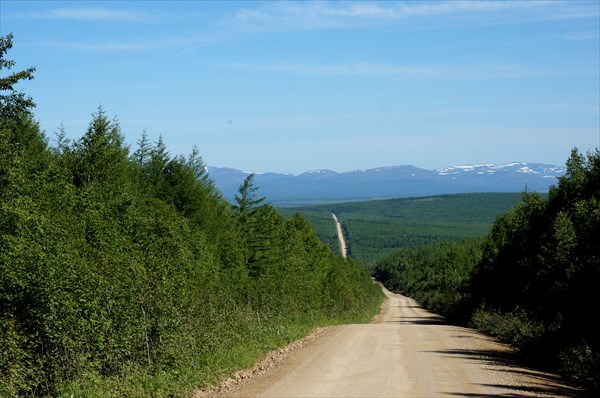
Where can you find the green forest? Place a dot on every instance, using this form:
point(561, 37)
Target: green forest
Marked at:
point(378, 228)
point(124, 273)
point(532, 281)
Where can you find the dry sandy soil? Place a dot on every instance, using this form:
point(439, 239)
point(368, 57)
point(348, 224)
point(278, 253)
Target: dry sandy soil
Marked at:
point(405, 352)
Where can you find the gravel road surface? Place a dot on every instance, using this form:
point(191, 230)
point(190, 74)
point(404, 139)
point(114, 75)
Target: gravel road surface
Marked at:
point(405, 352)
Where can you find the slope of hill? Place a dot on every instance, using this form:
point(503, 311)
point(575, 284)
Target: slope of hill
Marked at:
point(322, 186)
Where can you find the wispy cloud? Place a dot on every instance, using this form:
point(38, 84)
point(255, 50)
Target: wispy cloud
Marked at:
point(309, 15)
point(489, 71)
point(582, 36)
point(185, 44)
point(323, 15)
point(88, 14)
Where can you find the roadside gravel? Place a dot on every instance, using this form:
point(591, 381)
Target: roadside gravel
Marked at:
point(271, 360)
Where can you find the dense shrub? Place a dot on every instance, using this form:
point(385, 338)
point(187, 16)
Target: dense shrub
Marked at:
point(542, 261)
point(118, 267)
point(128, 275)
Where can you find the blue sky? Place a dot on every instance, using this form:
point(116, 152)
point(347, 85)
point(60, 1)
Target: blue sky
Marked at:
point(297, 86)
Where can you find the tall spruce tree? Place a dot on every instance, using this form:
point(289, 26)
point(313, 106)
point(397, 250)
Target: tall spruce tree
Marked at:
point(246, 208)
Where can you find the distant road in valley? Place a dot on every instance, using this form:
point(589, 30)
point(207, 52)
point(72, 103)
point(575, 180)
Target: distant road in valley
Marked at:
point(405, 352)
point(340, 235)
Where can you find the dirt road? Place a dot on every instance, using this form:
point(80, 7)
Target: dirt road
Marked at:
point(340, 235)
point(405, 352)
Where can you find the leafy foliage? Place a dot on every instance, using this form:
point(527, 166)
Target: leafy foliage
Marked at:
point(14, 105)
point(542, 261)
point(321, 221)
point(125, 274)
point(111, 267)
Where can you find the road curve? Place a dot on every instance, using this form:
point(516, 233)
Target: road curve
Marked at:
point(405, 352)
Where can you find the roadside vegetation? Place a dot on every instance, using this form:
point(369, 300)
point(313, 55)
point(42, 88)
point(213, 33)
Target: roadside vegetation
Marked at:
point(124, 273)
point(321, 221)
point(533, 281)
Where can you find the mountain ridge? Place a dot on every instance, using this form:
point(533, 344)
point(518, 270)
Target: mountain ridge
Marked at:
point(323, 185)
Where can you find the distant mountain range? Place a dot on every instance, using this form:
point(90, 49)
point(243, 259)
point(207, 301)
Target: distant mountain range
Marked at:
point(322, 186)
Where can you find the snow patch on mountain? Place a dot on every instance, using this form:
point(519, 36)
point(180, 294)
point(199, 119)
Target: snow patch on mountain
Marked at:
point(548, 171)
point(527, 169)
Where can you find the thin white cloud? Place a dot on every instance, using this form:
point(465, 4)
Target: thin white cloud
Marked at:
point(324, 15)
point(87, 14)
point(491, 71)
point(185, 44)
point(309, 15)
point(582, 36)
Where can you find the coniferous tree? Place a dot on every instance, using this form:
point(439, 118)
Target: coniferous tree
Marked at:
point(247, 202)
point(247, 206)
point(141, 155)
point(100, 154)
point(14, 105)
point(155, 170)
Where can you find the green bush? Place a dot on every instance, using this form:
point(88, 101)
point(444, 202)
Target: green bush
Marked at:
point(515, 327)
point(129, 275)
point(539, 270)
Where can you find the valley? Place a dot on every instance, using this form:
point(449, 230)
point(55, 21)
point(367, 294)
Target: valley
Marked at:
point(375, 229)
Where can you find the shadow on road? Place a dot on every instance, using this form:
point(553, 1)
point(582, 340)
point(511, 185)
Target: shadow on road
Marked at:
point(421, 320)
point(502, 360)
point(547, 385)
point(523, 392)
point(418, 320)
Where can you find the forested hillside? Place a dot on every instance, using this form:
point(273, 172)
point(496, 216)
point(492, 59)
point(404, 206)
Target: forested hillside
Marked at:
point(126, 274)
point(378, 228)
point(533, 281)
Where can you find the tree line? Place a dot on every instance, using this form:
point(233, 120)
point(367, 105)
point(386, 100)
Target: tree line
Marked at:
point(125, 273)
point(533, 281)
